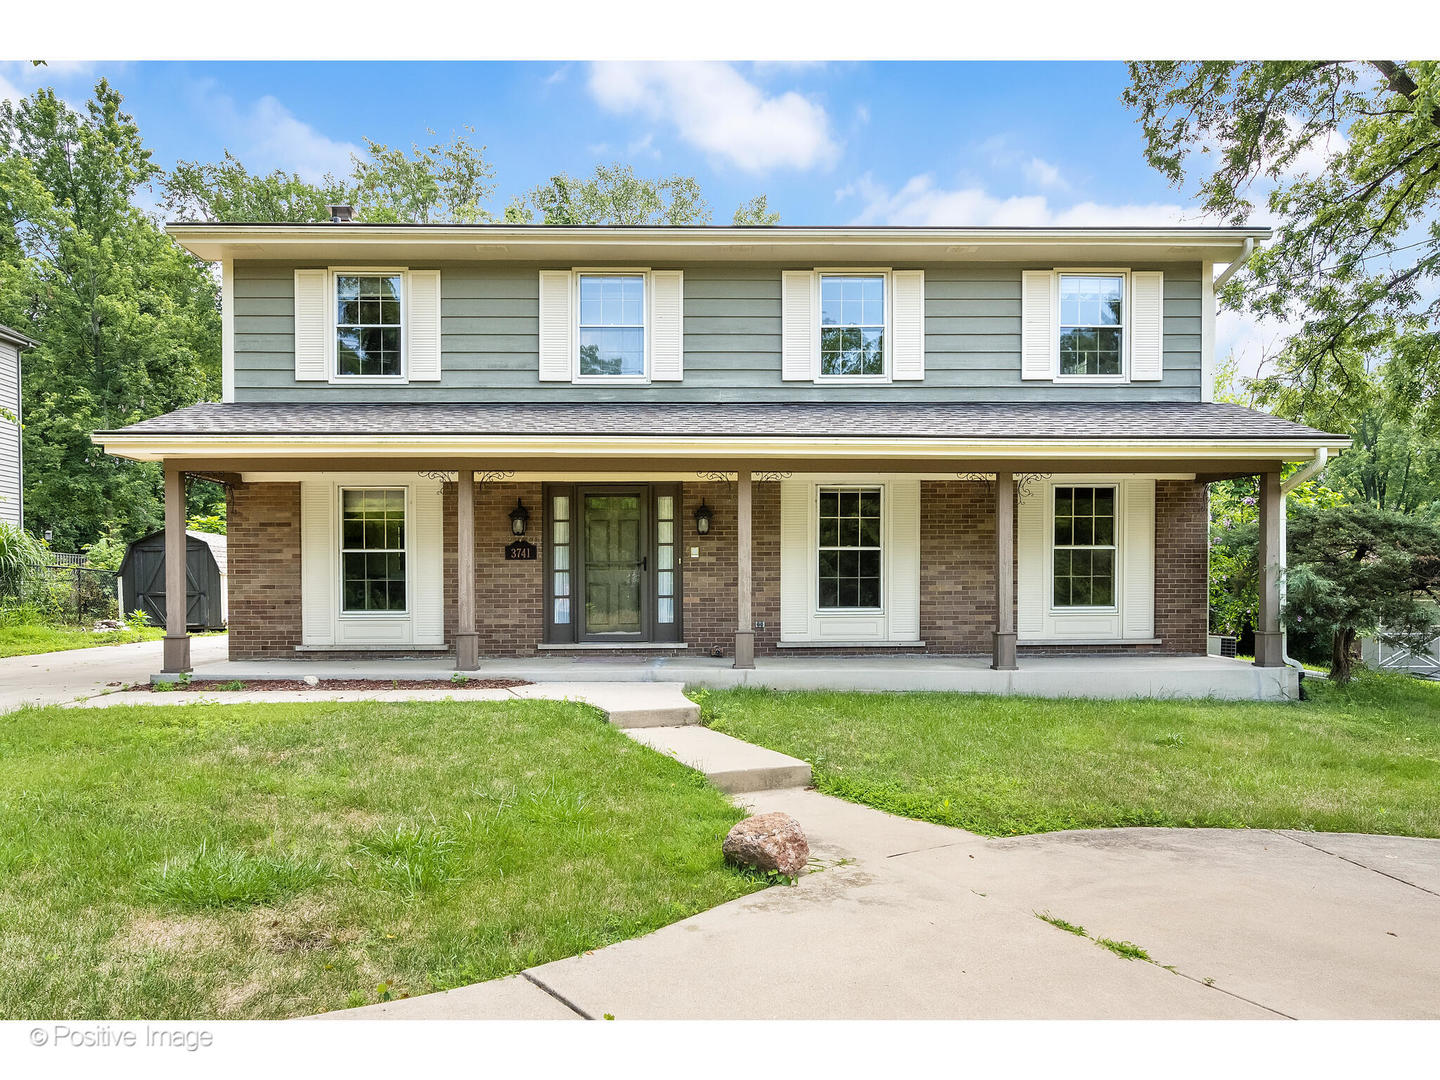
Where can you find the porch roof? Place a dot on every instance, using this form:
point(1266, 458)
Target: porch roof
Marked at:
point(1213, 436)
point(870, 420)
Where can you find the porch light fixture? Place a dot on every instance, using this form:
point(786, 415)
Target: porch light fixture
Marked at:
point(518, 517)
point(703, 514)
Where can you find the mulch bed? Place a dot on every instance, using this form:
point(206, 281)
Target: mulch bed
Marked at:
point(212, 685)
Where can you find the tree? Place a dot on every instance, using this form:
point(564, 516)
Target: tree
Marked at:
point(1355, 569)
point(440, 182)
point(128, 323)
point(1349, 157)
point(756, 212)
point(614, 195)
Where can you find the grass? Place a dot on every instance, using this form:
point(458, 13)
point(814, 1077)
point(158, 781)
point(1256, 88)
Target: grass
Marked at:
point(273, 860)
point(1061, 924)
point(1126, 950)
point(1363, 758)
point(26, 639)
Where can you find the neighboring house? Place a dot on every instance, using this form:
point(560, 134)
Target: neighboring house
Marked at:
point(12, 459)
point(509, 441)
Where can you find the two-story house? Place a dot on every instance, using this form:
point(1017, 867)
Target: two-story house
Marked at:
point(512, 441)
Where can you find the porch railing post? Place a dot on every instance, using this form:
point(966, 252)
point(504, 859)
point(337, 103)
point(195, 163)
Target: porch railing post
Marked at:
point(177, 641)
point(1003, 648)
point(1269, 634)
point(467, 642)
point(744, 607)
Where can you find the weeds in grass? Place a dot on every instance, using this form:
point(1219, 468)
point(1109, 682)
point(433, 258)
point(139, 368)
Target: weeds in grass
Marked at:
point(1068, 927)
point(233, 684)
point(1128, 949)
point(459, 678)
point(412, 859)
point(220, 877)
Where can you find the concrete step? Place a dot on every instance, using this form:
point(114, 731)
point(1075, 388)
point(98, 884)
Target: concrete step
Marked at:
point(733, 766)
point(629, 705)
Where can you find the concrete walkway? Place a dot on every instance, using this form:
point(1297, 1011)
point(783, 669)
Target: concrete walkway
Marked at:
point(909, 920)
point(58, 677)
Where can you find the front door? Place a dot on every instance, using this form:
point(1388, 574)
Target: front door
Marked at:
point(616, 566)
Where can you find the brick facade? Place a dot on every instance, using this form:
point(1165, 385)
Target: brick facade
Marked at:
point(957, 539)
point(263, 551)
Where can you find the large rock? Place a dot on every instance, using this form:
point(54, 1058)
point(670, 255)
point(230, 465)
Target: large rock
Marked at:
point(769, 842)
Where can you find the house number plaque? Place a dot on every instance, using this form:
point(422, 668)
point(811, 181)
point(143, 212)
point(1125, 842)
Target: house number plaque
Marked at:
point(520, 551)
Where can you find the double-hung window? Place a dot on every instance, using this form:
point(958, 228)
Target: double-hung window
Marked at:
point(372, 551)
point(852, 325)
point(1084, 548)
point(1092, 325)
point(612, 326)
point(369, 328)
point(850, 548)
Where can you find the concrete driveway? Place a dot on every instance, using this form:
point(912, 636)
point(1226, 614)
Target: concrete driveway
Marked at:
point(54, 678)
point(910, 920)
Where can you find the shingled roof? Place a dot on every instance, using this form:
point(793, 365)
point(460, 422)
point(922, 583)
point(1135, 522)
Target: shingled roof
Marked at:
point(877, 420)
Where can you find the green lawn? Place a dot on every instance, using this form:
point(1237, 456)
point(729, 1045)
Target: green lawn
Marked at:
point(1360, 759)
point(275, 860)
point(27, 638)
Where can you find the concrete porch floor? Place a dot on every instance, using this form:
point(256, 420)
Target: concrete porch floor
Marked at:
point(1044, 676)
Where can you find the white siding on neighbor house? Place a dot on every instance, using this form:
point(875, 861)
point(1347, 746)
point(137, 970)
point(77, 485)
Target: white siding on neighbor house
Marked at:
point(1133, 615)
point(898, 619)
point(10, 505)
point(321, 621)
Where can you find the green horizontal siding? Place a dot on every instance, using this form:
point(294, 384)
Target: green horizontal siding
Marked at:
point(489, 341)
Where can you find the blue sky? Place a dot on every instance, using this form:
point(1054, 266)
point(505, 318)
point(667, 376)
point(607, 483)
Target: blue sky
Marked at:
point(963, 143)
point(912, 143)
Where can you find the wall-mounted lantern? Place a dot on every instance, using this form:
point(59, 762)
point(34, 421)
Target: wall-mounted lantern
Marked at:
point(703, 514)
point(518, 517)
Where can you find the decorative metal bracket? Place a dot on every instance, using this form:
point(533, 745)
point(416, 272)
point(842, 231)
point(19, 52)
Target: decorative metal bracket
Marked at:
point(1025, 481)
point(442, 476)
point(771, 475)
point(715, 477)
point(491, 476)
point(764, 475)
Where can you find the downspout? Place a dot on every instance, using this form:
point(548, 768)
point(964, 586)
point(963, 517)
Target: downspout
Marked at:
point(1231, 270)
point(1287, 486)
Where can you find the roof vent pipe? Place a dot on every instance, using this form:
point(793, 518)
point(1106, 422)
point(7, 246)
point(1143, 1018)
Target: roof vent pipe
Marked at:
point(340, 213)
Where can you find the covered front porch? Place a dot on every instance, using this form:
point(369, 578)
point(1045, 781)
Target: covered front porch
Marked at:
point(1041, 676)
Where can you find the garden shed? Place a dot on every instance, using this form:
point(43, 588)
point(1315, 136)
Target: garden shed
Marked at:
point(142, 579)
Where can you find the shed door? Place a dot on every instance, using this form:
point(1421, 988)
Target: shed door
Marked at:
point(149, 570)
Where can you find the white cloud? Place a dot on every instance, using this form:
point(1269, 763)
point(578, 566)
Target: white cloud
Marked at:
point(1043, 174)
point(1313, 157)
point(920, 201)
point(715, 108)
point(266, 135)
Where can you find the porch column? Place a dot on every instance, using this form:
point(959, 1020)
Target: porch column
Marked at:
point(1269, 635)
point(177, 597)
point(467, 642)
point(1003, 650)
point(744, 608)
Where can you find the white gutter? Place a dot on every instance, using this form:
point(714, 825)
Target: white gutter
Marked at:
point(1230, 270)
point(1322, 454)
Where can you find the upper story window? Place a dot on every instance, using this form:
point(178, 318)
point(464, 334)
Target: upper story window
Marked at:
point(612, 325)
point(852, 325)
point(368, 325)
point(1092, 324)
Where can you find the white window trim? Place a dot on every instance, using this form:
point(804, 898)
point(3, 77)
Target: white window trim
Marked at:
point(1093, 271)
point(884, 377)
point(816, 610)
point(643, 272)
point(332, 363)
point(337, 574)
point(1117, 586)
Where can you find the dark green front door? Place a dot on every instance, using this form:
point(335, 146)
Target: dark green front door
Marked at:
point(616, 567)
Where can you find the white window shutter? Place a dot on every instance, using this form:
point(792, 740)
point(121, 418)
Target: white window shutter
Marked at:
point(800, 326)
point(907, 314)
point(422, 325)
point(667, 325)
point(1137, 595)
point(1032, 574)
point(318, 557)
point(1147, 325)
point(902, 552)
point(796, 597)
point(428, 595)
point(314, 323)
point(557, 323)
point(1039, 330)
